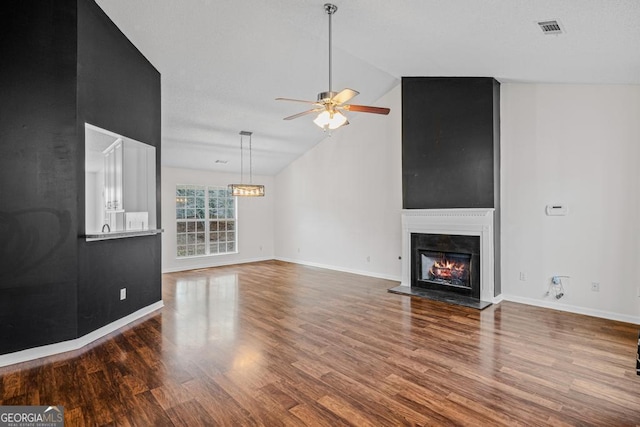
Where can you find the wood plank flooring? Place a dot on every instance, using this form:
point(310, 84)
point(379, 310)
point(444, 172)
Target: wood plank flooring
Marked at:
point(279, 344)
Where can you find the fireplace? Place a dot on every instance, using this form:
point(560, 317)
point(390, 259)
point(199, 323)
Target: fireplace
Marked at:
point(446, 262)
point(451, 136)
point(460, 239)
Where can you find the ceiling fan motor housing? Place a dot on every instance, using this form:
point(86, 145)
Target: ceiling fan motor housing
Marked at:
point(325, 97)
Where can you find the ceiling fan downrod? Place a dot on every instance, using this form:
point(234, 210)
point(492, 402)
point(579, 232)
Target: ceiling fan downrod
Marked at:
point(330, 9)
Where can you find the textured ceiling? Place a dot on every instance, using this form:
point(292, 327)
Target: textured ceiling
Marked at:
point(223, 62)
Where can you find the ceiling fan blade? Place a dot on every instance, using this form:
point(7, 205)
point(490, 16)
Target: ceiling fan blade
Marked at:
point(366, 109)
point(304, 113)
point(297, 100)
point(344, 95)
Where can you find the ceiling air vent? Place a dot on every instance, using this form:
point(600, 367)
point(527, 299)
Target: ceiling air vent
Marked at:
point(550, 27)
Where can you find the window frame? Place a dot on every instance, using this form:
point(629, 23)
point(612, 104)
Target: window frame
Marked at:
point(197, 211)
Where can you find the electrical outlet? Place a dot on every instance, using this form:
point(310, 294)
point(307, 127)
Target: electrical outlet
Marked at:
point(123, 294)
point(595, 286)
point(523, 276)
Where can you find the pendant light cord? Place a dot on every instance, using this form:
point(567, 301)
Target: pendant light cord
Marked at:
point(241, 161)
point(246, 189)
point(242, 135)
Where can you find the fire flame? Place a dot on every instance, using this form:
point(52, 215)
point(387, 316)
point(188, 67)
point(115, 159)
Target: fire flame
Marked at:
point(447, 269)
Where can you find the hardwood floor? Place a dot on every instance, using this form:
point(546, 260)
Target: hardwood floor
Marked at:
point(273, 344)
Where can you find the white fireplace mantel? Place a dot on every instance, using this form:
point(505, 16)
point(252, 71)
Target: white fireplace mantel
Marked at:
point(464, 222)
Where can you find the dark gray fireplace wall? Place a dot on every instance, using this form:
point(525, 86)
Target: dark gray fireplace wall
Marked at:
point(450, 142)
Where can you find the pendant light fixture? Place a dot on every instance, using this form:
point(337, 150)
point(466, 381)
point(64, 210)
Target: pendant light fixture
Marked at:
point(242, 189)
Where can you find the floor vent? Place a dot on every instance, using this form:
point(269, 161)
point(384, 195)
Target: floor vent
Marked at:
point(550, 27)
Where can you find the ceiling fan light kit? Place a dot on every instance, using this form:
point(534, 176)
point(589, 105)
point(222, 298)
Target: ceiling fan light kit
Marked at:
point(330, 104)
point(327, 120)
point(246, 190)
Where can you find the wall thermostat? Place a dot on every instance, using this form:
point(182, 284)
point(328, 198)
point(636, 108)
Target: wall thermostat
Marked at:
point(557, 210)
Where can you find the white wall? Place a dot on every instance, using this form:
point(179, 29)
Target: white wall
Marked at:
point(341, 201)
point(572, 144)
point(255, 220)
point(577, 145)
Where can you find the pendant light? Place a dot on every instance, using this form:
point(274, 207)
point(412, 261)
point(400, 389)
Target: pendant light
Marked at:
point(242, 189)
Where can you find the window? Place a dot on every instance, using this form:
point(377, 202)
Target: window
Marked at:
point(205, 221)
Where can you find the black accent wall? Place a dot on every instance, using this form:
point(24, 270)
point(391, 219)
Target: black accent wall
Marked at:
point(118, 90)
point(64, 63)
point(451, 146)
point(450, 142)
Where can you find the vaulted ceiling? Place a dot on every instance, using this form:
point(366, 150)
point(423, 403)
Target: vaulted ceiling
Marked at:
point(223, 62)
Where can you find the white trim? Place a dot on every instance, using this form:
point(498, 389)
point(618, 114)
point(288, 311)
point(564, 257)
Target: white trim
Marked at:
point(461, 212)
point(497, 299)
point(176, 258)
point(574, 309)
point(75, 344)
point(469, 222)
point(342, 269)
point(222, 263)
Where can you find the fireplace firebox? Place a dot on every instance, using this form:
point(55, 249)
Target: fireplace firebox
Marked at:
point(446, 263)
point(445, 268)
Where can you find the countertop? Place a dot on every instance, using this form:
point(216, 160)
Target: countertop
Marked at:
point(121, 234)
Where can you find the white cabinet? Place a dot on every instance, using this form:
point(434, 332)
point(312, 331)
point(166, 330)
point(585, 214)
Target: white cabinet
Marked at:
point(113, 179)
point(127, 185)
point(126, 178)
point(137, 182)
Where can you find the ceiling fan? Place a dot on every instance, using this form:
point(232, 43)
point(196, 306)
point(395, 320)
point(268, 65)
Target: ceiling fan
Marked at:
point(330, 104)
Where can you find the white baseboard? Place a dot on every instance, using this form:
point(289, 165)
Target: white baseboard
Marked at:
point(574, 309)
point(343, 269)
point(498, 299)
point(75, 344)
point(209, 264)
